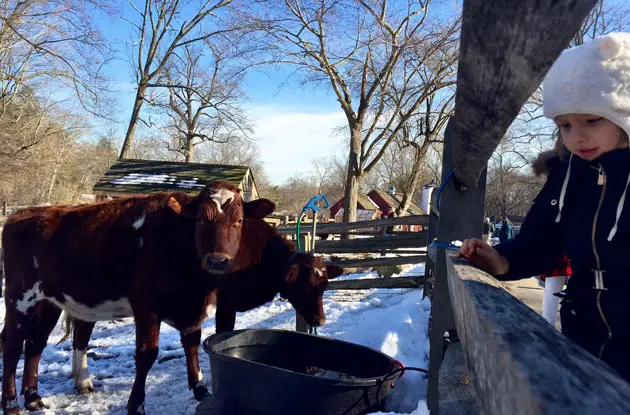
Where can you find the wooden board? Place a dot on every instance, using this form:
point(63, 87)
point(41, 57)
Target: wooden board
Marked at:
point(334, 228)
point(519, 364)
point(369, 283)
point(413, 240)
point(375, 262)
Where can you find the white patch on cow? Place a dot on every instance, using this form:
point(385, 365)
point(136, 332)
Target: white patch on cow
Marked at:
point(139, 222)
point(30, 297)
point(221, 197)
point(199, 377)
point(35, 263)
point(140, 242)
point(209, 309)
point(107, 310)
point(211, 303)
point(80, 372)
point(319, 272)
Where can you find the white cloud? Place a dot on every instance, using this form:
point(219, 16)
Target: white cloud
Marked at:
point(289, 141)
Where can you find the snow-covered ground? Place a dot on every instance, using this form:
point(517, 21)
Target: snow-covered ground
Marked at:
point(392, 321)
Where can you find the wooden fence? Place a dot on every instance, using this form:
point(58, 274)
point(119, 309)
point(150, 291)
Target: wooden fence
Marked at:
point(516, 362)
point(373, 236)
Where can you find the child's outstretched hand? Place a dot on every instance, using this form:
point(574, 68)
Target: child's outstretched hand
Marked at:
point(484, 256)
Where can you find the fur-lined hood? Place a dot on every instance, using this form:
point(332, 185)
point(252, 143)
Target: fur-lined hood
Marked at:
point(545, 162)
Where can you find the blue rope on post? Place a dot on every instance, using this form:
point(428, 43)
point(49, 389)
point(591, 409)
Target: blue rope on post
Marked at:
point(441, 188)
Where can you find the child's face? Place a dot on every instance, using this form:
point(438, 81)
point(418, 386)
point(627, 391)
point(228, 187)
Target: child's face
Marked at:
point(589, 136)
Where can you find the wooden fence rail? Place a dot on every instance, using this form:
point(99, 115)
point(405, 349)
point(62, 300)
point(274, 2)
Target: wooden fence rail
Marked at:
point(519, 364)
point(394, 243)
point(342, 228)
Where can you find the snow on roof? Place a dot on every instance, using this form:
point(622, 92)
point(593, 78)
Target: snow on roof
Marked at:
point(158, 178)
point(362, 214)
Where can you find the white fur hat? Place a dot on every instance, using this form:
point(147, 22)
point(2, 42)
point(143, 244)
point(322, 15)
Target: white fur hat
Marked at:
point(593, 78)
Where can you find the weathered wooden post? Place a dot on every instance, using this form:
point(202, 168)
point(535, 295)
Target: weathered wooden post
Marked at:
point(432, 231)
point(506, 48)
point(455, 222)
point(4, 208)
point(300, 323)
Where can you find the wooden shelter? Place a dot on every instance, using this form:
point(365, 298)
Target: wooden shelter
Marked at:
point(141, 177)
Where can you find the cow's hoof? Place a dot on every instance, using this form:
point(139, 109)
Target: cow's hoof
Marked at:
point(200, 392)
point(85, 390)
point(11, 407)
point(32, 401)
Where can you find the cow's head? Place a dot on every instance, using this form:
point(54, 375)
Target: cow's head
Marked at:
point(218, 212)
point(304, 283)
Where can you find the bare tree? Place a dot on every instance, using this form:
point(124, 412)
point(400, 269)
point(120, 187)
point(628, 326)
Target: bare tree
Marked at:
point(363, 50)
point(163, 27)
point(510, 188)
point(202, 104)
point(420, 133)
point(53, 45)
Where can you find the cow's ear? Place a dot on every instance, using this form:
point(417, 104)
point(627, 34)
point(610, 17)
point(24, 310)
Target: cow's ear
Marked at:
point(333, 271)
point(292, 274)
point(175, 205)
point(259, 208)
point(184, 208)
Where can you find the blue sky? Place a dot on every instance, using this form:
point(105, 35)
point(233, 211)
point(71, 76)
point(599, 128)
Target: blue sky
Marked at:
point(293, 125)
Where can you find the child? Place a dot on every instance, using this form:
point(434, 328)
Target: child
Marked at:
point(582, 209)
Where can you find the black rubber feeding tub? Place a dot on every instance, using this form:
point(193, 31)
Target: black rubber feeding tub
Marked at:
point(259, 372)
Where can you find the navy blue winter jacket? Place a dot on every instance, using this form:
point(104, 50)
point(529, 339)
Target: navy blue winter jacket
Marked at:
point(584, 230)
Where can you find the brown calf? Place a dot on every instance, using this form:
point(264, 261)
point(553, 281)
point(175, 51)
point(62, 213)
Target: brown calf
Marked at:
point(140, 257)
point(267, 264)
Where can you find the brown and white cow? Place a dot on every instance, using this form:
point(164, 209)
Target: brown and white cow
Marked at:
point(150, 257)
point(266, 264)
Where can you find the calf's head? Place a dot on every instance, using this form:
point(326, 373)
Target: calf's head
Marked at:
point(218, 212)
point(304, 283)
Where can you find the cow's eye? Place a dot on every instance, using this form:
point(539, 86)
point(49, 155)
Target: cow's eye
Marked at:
point(239, 222)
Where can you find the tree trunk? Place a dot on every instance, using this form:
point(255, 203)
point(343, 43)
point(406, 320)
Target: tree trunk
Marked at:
point(353, 179)
point(419, 154)
point(133, 122)
point(190, 148)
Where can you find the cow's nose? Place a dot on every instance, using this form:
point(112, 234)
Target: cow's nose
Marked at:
point(216, 262)
point(318, 322)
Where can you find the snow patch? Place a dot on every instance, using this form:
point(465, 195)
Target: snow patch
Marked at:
point(397, 327)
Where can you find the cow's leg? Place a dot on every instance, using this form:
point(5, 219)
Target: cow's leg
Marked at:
point(13, 335)
point(190, 341)
point(147, 337)
point(225, 319)
point(82, 330)
point(40, 327)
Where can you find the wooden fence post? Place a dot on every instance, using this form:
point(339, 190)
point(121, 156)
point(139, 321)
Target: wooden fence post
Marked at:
point(461, 216)
point(429, 265)
point(300, 323)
